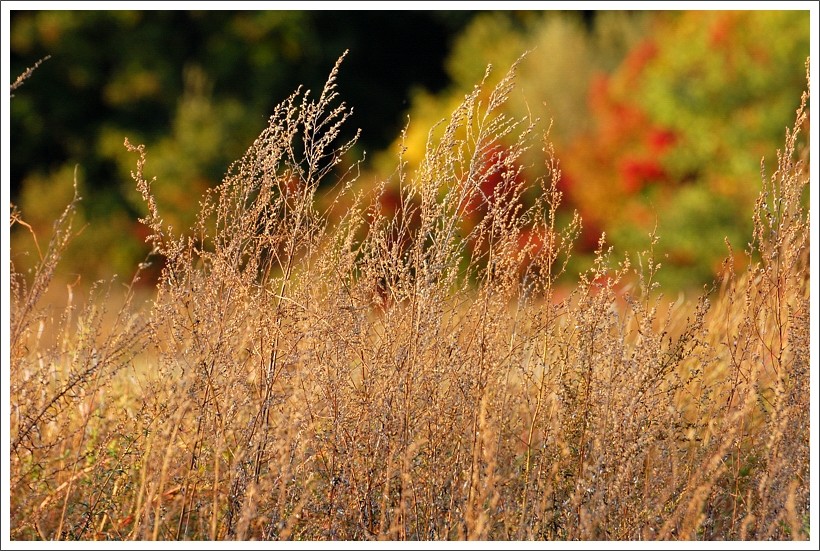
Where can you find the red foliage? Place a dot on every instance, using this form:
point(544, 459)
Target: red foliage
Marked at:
point(637, 59)
point(140, 231)
point(565, 184)
point(494, 185)
point(590, 234)
point(152, 270)
point(660, 139)
point(616, 118)
point(389, 201)
point(721, 30)
point(621, 156)
point(637, 173)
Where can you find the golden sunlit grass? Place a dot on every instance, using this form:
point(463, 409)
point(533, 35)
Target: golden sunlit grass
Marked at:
point(401, 375)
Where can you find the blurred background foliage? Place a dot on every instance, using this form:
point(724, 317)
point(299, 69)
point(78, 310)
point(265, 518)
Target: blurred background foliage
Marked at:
point(658, 118)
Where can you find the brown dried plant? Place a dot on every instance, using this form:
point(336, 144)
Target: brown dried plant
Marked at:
point(375, 374)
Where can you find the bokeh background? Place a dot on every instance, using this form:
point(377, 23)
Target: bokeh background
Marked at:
point(658, 118)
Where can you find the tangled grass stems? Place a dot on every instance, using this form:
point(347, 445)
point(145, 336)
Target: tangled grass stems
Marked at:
point(401, 374)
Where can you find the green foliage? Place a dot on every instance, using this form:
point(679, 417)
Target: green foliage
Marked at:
point(660, 119)
point(692, 229)
point(554, 77)
point(722, 82)
point(141, 74)
point(657, 117)
point(193, 85)
point(706, 98)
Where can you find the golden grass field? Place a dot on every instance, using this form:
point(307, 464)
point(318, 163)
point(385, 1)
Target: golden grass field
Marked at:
point(310, 372)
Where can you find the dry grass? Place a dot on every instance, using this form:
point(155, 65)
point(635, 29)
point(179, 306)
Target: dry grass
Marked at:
point(398, 375)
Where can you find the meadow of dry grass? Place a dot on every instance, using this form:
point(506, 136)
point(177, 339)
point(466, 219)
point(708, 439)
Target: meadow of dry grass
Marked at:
point(311, 370)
